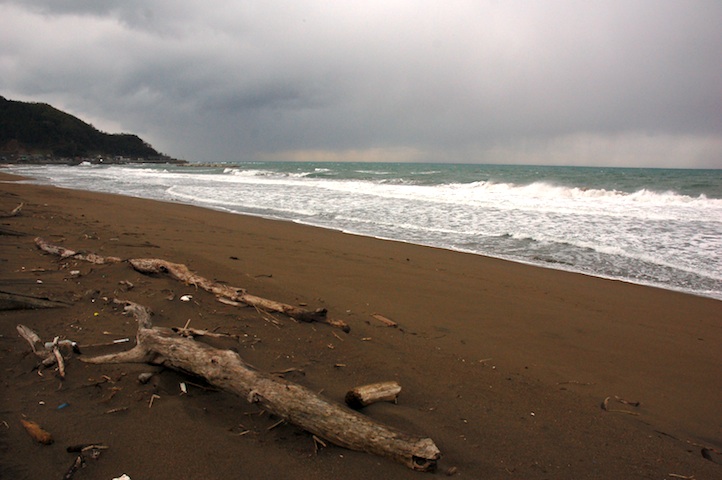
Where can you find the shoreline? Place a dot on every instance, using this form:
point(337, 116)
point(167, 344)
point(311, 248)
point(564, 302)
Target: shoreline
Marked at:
point(539, 264)
point(503, 364)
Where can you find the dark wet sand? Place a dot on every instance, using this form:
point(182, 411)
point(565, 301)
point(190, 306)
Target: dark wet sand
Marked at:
point(503, 365)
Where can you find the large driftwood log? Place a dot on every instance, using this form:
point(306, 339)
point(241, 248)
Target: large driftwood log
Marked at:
point(292, 402)
point(182, 273)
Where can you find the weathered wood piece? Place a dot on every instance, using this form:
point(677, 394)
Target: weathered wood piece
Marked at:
point(33, 339)
point(182, 273)
point(19, 301)
point(292, 402)
point(14, 213)
point(385, 320)
point(361, 396)
point(64, 253)
point(49, 354)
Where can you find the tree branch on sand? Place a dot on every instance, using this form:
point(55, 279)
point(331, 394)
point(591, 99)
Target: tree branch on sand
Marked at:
point(294, 403)
point(182, 273)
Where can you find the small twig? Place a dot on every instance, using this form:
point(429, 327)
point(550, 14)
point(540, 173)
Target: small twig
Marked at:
point(116, 410)
point(207, 389)
point(113, 392)
point(86, 447)
point(316, 442)
point(288, 370)
point(58, 358)
point(264, 315)
point(275, 425)
point(194, 332)
point(386, 321)
point(152, 397)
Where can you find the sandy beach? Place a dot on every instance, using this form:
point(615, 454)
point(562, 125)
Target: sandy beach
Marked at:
point(504, 365)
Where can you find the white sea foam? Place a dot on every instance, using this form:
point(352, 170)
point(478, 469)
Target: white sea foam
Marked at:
point(656, 236)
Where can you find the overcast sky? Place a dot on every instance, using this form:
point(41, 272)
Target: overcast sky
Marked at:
point(628, 83)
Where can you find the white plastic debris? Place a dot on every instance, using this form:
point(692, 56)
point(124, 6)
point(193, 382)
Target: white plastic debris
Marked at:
point(122, 477)
point(186, 298)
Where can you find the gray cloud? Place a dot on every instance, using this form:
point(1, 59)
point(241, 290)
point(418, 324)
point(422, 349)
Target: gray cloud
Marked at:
point(619, 82)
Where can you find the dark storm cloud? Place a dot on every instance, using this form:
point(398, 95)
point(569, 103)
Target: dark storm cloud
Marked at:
point(633, 82)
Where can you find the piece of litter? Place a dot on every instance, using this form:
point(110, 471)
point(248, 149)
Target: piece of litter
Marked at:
point(183, 387)
point(63, 405)
point(122, 477)
point(121, 340)
point(186, 298)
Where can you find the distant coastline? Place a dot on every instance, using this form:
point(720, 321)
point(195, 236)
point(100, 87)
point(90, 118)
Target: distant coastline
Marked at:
point(49, 159)
point(40, 134)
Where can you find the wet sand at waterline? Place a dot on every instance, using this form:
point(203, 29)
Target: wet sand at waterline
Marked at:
point(504, 365)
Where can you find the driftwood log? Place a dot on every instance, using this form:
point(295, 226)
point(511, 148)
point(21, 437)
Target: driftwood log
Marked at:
point(359, 397)
point(19, 301)
point(292, 402)
point(182, 273)
point(65, 253)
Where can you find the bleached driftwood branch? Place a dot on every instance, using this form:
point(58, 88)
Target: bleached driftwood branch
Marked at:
point(182, 273)
point(292, 402)
point(64, 253)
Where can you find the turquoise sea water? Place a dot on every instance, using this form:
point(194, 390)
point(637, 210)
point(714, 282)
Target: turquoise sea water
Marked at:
point(651, 226)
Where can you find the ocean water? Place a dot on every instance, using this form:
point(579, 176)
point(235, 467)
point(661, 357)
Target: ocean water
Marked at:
point(650, 226)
